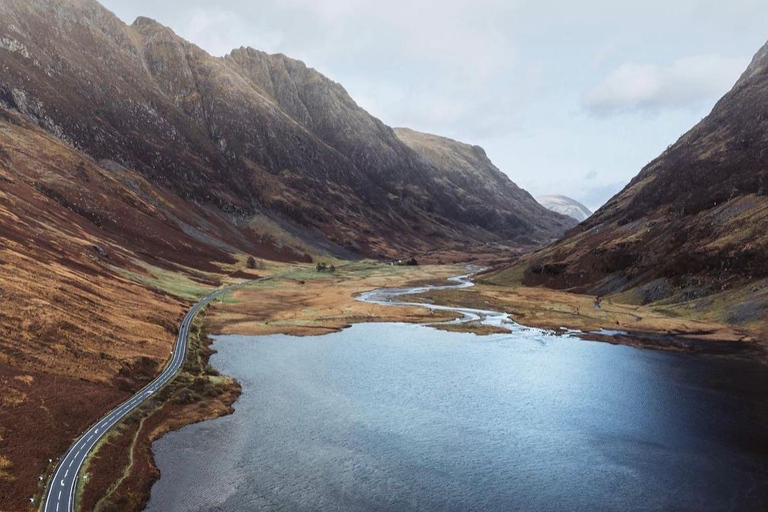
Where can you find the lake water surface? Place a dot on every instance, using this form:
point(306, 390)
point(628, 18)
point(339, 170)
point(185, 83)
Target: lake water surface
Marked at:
point(395, 417)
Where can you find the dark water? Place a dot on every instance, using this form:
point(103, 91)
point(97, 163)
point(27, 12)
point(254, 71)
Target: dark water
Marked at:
point(407, 418)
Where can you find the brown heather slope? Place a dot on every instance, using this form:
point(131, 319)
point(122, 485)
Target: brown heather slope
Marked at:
point(690, 232)
point(78, 329)
point(249, 133)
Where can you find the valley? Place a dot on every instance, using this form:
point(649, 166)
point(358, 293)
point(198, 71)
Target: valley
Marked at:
point(140, 173)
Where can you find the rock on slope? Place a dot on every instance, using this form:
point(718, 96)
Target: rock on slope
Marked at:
point(250, 133)
point(566, 206)
point(694, 222)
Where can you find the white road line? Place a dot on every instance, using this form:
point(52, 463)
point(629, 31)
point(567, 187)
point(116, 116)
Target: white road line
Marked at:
point(71, 494)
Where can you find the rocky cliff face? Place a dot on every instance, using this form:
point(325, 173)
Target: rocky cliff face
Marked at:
point(694, 222)
point(251, 133)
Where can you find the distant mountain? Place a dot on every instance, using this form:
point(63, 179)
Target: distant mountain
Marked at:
point(693, 223)
point(566, 206)
point(249, 134)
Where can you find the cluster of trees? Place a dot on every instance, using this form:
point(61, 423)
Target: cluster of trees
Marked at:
point(323, 267)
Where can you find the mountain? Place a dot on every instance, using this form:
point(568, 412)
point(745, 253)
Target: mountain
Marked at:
point(692, 224)
point(566, 206)
point(479, 185)
point(250, 134)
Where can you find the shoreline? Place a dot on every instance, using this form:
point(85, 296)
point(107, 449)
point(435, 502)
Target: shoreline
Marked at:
point(124, 465)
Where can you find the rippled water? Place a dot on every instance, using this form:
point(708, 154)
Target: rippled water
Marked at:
point(408, 418)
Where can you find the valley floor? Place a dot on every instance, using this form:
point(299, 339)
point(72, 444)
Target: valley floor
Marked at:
point(614, 322)
point(298, 300)
point(325, 303)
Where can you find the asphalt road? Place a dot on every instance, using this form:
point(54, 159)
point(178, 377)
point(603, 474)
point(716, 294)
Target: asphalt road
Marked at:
point(60, 495)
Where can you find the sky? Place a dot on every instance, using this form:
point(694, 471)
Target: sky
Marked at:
point(567, 97)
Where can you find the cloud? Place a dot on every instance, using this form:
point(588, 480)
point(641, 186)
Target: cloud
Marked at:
point(684, 83)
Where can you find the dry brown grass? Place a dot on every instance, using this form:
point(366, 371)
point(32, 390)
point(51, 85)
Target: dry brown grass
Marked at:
point(323, 303)
point(552, 309)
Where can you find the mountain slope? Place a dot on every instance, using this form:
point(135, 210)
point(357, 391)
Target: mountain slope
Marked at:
point(251, 133)
point(693, 223)
point(566, 206)
point(479, 186)
point(84, 247)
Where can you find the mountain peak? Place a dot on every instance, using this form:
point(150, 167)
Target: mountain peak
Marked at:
point(758, 65)
point(565, 205)
point(143, 21)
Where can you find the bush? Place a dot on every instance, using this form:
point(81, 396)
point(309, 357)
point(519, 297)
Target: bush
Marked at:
point(186, 396)
point(212, 392)
point(109, 506)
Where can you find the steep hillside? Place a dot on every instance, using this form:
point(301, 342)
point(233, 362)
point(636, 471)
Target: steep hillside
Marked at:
point(566, 206)
point(250, 133)
point(693, 223)
point(88, 254)
point(480, 188)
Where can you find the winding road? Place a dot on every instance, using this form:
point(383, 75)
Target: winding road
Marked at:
point(60, 493)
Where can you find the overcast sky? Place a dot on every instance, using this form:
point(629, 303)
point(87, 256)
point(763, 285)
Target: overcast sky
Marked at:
point(567, 97)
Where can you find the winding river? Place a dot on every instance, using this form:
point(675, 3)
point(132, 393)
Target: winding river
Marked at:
point(401, 417)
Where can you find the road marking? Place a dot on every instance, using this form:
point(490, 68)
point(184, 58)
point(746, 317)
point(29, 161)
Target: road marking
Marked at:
point(72, 494)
